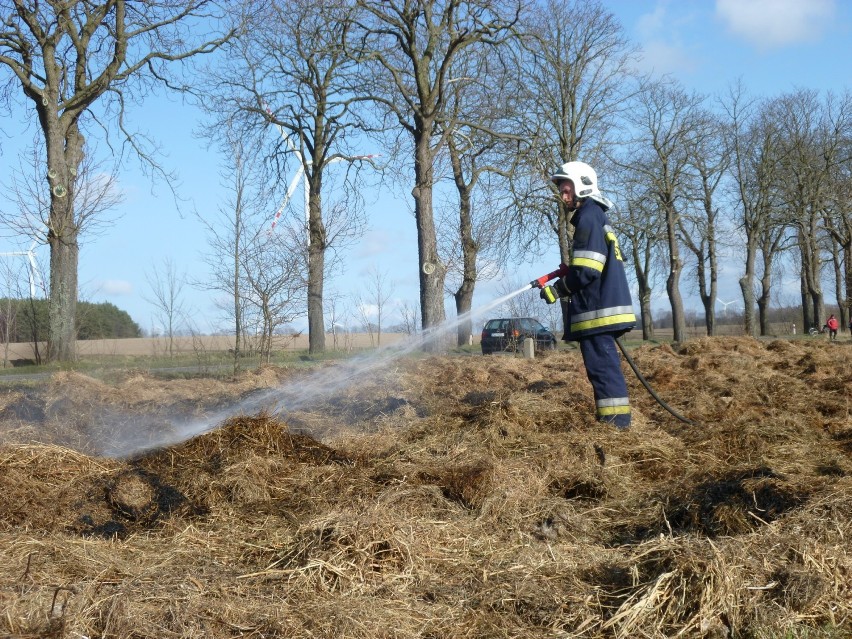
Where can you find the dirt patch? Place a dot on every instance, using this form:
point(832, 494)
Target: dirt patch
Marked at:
point(451, 497)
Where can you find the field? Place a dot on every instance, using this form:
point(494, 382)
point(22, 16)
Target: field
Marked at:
point(433, 497)
point(202, 346)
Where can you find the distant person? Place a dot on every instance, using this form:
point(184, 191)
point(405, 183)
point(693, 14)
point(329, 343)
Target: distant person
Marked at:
point(832, 325)
point(595, 287)
point(794, 329)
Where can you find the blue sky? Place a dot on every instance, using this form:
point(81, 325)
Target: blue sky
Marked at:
point(773, 45)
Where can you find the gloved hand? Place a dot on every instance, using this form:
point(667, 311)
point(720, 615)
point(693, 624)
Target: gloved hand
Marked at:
point(555, 291)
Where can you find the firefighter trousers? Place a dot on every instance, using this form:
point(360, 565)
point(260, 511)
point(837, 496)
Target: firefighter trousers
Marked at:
point(603, 367)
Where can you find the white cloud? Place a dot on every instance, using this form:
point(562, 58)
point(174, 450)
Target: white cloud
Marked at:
point(368, 310)
point(769, 24)
point(660, 32)
point(649, 25)
point(376, 242)
point(116, 287)
point(662, 58)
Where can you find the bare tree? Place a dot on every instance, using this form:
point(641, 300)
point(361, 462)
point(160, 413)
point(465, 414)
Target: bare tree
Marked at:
point(576, 79)
point(378, 291)
point(67, 59)
point(336, 312)
point(754, 140)
point(408, 312)
point(838, 223)
point(239, 219)
point(666, 120)
point(475, 232)
point(10, 278)
point(640, 224)
point(575, 70)
point(167, 298)
point(803, 189)
point(699, 226)
point(96, 197)
point(409, 52)
point(291, 69)
point(381, 291)
point(480, 126)
point(815, 147)
point(273, 268)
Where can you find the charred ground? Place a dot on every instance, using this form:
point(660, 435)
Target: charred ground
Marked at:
point(447, 497)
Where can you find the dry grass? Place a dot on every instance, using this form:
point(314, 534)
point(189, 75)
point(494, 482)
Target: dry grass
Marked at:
point(464, 497)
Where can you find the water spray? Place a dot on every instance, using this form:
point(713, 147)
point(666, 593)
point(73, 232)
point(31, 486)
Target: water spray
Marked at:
point(301, 393)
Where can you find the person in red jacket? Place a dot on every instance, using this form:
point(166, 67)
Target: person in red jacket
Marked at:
point(832, 324)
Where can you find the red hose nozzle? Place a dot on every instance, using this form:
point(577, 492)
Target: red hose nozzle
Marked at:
point(542, 281)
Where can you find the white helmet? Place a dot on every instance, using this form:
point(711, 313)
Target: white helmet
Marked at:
point(585, 181)
point(583, 176)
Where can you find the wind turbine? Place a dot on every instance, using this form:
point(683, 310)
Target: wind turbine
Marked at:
point(725, 304)
point(300, 175)
point(34, 273)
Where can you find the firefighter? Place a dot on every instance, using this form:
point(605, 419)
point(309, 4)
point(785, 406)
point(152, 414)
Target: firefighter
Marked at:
point(594, 285)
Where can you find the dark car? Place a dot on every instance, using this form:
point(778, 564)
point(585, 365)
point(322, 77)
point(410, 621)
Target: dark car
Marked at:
point(508, 333)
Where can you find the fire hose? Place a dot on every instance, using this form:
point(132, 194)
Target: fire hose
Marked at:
point(648, 386)
point(541, 283)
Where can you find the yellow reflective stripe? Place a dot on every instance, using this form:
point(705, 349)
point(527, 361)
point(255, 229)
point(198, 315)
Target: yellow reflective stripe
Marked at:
point(603, 321)
point(609, 234)
point(613, 410)
point(592, 264)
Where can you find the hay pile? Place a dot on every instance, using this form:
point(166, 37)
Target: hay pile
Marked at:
point(454, 497)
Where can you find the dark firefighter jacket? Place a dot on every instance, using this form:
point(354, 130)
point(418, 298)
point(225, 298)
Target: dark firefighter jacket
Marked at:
point(600, 296)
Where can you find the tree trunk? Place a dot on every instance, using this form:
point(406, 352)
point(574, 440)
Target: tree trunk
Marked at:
point(644, 292)
point(673, 289)
point(768, 250)
point(808, 320)
point(432, 271)
point(813, 296)
point(707, 295)
point(836, 261)
point(673, 279)
point(846, 308)
point(316, 267)
point(238, 313)
point(647, 317)
point(770, 241)
point(266, 332)
point(747, 288)
point(64, 155)
point(464, 294)
point(62, 337)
